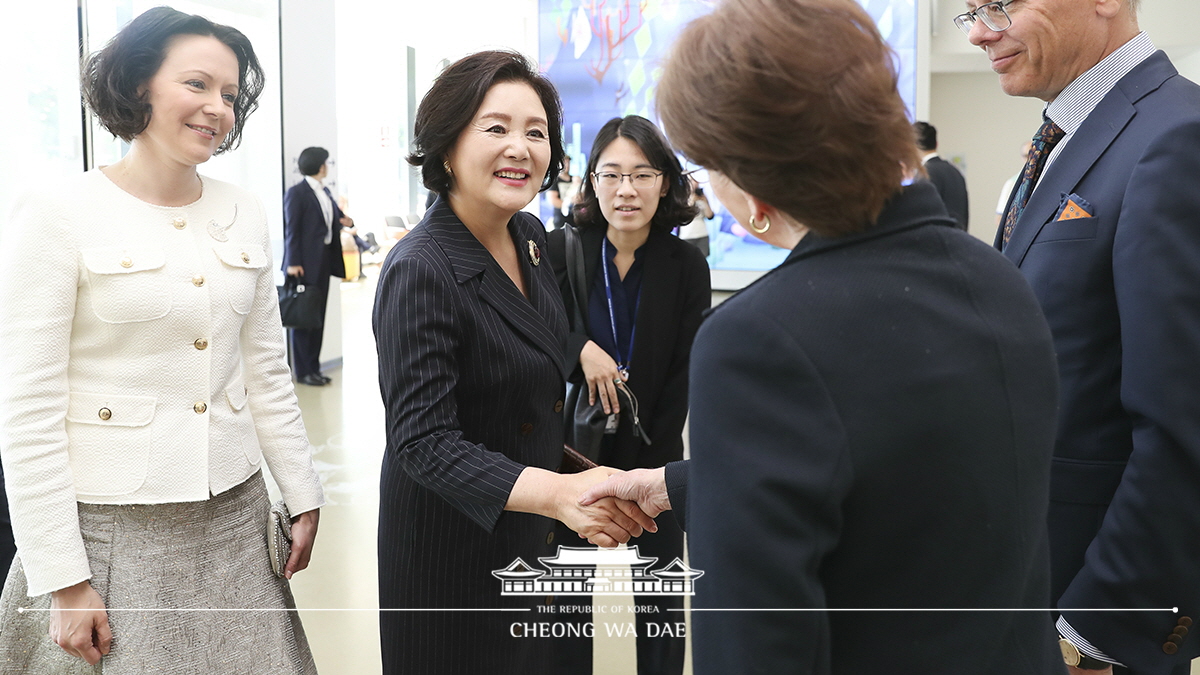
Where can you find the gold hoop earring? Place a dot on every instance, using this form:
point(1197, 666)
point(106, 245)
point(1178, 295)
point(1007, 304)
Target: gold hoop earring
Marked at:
point(767, 226)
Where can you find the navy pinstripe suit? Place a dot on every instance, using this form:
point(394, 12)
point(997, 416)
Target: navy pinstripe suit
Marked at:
point(470, 372)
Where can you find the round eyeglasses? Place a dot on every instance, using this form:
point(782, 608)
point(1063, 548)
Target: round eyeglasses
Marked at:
point(993, 14)
point(639, 179)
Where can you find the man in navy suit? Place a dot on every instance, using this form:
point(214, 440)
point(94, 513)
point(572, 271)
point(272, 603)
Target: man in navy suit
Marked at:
point(1108, 236)
point(312, 252)
point(945, 176)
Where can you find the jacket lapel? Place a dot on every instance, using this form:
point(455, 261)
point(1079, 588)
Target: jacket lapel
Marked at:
point(1090, 141)
point(536, 318)
point(1061, 177)
point(661, 272)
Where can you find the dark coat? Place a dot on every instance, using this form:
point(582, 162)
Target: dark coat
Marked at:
point(1121, 291)
point(471, 374)
point(872, 424)
point(676, 289)
point(304, 233)
point(952, 187)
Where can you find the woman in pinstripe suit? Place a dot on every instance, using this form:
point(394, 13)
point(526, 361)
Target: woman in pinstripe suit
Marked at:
point(469, 327)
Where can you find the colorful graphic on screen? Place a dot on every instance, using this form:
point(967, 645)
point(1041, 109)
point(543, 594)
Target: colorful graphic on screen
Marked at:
point(605, 57)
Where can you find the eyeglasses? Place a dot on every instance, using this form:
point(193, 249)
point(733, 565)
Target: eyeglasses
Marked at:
point(993, 14)
point(640, 180)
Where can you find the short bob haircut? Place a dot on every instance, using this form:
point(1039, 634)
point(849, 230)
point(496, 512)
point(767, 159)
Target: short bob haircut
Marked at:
point(311, 160)
point(111, 78)
point(673, 209)
point(926, 135)
point(453, 101)
point(796, 102)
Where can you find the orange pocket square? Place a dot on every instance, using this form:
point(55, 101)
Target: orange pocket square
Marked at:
point(1074, 207)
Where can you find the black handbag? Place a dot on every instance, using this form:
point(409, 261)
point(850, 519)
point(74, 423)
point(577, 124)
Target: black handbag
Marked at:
point(299, 305)
point(584, 423)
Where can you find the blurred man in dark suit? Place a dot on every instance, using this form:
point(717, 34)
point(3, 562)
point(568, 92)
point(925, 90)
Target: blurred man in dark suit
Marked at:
point(312, 252)
point(945, 176)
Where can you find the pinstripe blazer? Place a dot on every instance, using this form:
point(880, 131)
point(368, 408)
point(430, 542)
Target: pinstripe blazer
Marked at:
point(471, 374)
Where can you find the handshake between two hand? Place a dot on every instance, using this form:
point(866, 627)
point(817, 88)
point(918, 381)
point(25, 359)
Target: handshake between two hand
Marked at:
point(612, 506)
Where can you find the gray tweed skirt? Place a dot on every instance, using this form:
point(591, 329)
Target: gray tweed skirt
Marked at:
point(153, 563)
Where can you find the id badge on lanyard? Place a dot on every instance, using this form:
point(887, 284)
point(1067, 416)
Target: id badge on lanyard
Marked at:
point(614, 420)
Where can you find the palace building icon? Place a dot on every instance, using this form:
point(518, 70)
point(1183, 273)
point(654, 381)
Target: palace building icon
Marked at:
point(597, 571)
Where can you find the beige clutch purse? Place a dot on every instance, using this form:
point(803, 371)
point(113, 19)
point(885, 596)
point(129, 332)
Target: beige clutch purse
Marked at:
point(279, 537)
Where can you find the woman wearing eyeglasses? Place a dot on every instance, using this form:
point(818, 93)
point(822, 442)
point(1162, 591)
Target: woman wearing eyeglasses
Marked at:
point(646, 290)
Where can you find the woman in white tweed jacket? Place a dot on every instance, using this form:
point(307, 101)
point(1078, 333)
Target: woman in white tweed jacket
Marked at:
point(145, 382)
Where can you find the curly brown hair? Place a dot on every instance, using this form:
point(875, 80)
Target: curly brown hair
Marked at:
point(112, 78)
point(796, 102)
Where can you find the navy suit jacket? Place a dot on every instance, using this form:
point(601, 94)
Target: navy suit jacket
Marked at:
point(472, 378)
point(304, 233)
point(1121, 292)
point(871, 427)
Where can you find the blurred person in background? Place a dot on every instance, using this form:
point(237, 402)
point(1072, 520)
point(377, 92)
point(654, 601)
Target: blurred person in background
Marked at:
point(312, 253)
point(562, 195)
point(696, 232)
point(645, 292)
point(946, 177)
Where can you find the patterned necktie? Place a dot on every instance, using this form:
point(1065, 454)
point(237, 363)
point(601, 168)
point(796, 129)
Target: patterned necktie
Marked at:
point(1043, 142)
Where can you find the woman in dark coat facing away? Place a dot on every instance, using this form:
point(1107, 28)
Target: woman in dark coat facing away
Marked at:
point(873, 420)
point(469, 327)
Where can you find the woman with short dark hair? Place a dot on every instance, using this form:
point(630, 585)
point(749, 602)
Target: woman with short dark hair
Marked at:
point(469, 327)
point(641, 298)
point(146, 383)
point(872, 421)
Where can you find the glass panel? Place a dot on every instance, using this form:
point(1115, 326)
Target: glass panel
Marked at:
point(43, 137)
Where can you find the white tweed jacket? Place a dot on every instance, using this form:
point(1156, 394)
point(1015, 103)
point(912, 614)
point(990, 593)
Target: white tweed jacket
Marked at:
point(142, 362)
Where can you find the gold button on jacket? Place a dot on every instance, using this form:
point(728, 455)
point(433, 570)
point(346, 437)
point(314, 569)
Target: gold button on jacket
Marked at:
point(200, 407)
point(105, 414)
point(198, 280)
point(179, 223)
point(126, 262)
point(201, 344)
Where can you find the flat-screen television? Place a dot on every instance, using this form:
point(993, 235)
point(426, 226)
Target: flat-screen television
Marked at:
point(605, 57)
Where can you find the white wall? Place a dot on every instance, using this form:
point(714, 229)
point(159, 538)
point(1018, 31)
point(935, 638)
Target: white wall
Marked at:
point(372, 102)
point(982, 130)
point(310, 118)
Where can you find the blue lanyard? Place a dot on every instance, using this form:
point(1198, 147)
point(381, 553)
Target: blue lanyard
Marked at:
point(622, 362)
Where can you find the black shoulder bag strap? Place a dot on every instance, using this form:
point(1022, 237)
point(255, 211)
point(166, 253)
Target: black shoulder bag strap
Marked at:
point(576, 276)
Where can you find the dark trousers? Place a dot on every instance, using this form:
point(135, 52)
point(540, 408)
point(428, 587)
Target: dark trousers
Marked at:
point(306, 344)
point(656, 655)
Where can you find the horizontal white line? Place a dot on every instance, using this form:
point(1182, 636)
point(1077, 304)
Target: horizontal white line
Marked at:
point(314, 609)
point(1173, 610)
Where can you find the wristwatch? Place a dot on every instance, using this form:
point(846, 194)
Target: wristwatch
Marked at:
point(1073, 657)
